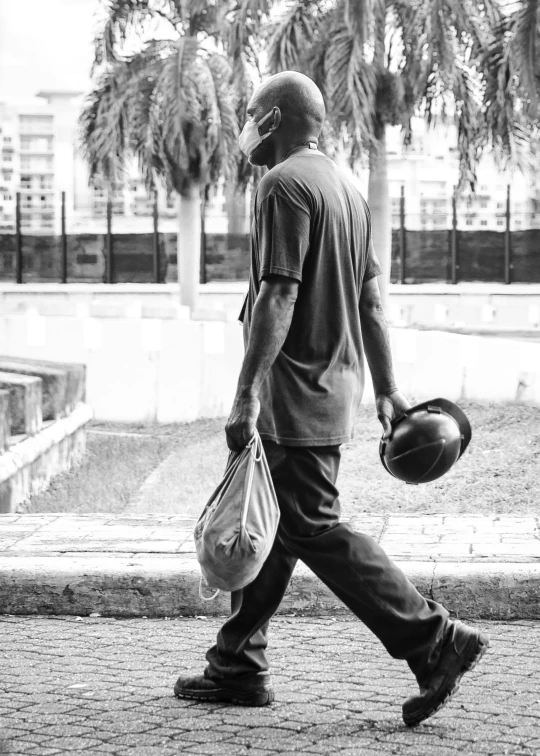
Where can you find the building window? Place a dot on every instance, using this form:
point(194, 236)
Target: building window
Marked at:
point(499, 223)
point(468, 222)
point(483, 222)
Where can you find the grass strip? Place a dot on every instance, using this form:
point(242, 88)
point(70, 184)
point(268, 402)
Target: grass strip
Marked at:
point(497, 474)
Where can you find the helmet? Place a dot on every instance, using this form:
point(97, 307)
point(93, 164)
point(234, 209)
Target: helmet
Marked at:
point(426, 441)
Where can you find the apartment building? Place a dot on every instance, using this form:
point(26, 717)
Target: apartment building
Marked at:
point(40, 158)
point(32, 163)
point(8, 170)
point(428, 170)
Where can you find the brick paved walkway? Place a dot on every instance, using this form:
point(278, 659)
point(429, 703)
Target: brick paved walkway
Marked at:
point(463, 538)
point(105, 686)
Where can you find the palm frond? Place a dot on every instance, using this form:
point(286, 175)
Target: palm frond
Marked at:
point(509, 130)
point(128, 19)
point(351, 90)
point(358, 15)
point(180, 110)
point(243, 86)
point(291, 38)
point(247, 29)
point(103, 124)
point(144, 118)
point(471, 130)
point(525, 49)
point(221, 73)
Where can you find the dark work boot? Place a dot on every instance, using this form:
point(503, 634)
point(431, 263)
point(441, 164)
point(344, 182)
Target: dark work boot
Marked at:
point(254, 692)
point(462, 649)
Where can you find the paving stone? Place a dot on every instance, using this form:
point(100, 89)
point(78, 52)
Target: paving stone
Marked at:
point(493, 714)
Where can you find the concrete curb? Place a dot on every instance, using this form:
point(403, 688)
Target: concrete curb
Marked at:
point(133, 565)
point(166, 586)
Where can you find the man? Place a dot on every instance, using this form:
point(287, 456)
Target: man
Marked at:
point(312, 310)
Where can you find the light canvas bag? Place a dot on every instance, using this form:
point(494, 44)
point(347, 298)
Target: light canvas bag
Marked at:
point(238, 525)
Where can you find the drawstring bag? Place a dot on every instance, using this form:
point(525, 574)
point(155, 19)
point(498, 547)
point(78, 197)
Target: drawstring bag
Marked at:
point(238, 525)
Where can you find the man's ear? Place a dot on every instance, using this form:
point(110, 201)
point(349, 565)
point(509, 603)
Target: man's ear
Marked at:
point(277, 119)
point(273, 123)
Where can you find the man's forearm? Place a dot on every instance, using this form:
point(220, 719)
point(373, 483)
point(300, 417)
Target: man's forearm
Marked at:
point(271, 320)
point(377, 348)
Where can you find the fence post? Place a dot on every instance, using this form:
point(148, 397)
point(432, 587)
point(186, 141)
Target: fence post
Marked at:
point(64, 239)
point(507, 244)
point(18, 240)
point(155, 239)
point(402, 238)
point(453, 240)
point(110, 272)
point(202, 275)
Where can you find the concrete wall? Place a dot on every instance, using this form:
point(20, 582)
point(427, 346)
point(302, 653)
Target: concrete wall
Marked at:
point(156, 363)
point(493, 305)
point(442, 305)
point(165, 367)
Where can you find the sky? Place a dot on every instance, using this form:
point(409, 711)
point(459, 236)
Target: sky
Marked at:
point(45, 44)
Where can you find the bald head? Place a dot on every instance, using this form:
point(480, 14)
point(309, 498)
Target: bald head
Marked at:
point(295, 108)
point(298, 98)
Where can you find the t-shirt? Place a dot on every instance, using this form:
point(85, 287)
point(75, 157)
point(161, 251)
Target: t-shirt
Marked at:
point(311, 224)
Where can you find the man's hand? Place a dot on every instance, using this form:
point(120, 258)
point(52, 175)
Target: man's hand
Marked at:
point(240, 426)
point(390, 406)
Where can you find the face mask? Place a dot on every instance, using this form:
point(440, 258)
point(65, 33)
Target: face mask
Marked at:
point(250, 138)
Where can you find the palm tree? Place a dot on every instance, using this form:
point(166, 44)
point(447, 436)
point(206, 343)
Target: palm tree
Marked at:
point(378, 63)
point(169, 104)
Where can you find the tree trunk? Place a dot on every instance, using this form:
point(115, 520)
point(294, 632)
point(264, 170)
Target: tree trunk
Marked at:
point(237, 211)
point(381, 216)
point(189, 245)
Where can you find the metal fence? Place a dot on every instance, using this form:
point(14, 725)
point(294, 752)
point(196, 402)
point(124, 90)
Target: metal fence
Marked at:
point(425, 248)
point(104, 255)
point(507, 252)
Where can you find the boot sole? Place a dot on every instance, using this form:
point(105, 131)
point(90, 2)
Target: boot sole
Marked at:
point(260, 698)
point(469, 663)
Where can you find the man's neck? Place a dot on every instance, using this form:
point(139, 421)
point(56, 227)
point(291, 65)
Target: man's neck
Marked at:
point(285, 151)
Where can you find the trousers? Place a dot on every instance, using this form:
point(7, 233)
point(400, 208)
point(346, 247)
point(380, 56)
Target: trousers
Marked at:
point(351, 564)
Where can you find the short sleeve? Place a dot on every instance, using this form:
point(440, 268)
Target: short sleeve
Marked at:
point(283, 230)
point(373, 266)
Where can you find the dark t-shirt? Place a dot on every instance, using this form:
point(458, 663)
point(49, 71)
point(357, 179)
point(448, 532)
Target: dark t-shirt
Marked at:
point(311, 224)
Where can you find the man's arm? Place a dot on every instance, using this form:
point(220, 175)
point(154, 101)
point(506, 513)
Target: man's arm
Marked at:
point(270, 323)
point(390, 402)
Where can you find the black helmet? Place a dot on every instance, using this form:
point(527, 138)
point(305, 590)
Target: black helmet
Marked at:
point(426, 441)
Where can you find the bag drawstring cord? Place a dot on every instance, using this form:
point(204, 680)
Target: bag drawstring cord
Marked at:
point(206, 598)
